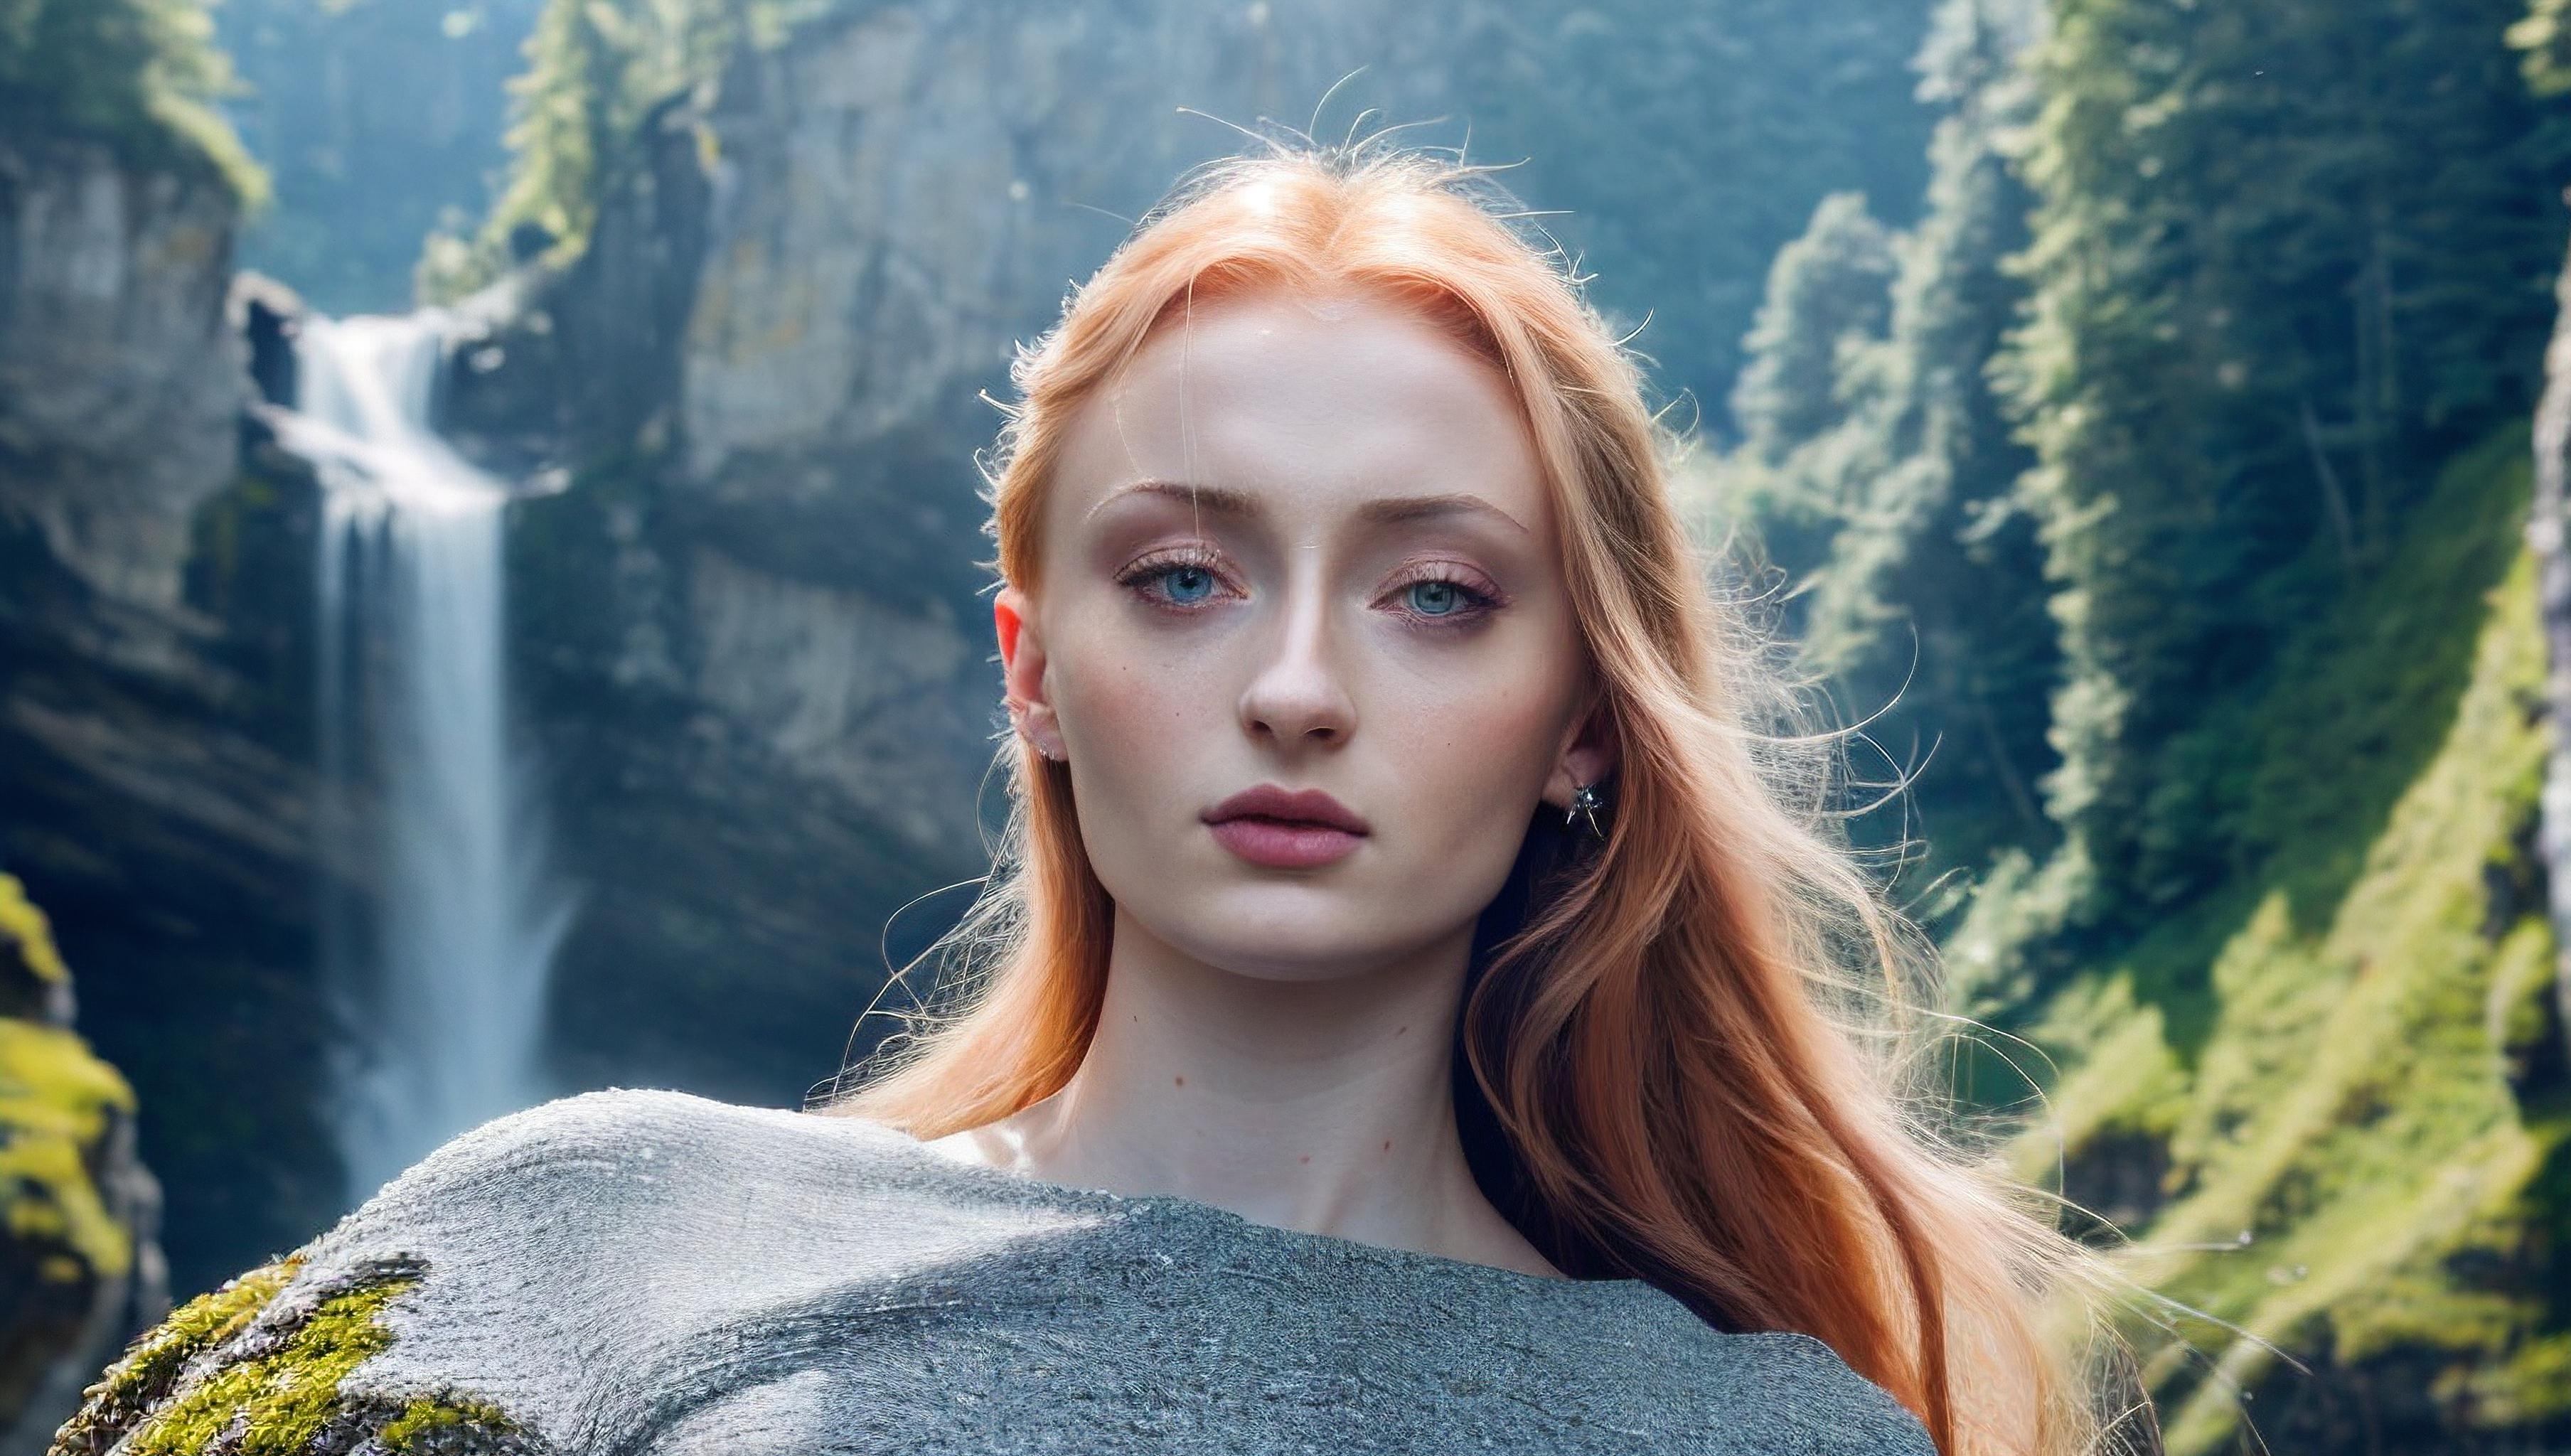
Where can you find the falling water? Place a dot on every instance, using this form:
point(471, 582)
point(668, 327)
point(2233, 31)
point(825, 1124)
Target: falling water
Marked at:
point(446, 993)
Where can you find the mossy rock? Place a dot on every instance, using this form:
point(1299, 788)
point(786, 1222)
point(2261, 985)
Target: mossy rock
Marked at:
point(76, 1209)
point(57, 1100)
point(34, 983)
point(259, 1367)
point(56, 1104)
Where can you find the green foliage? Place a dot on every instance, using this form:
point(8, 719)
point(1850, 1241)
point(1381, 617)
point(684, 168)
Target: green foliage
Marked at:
point(1827, 297)
point(2286, 257)
point(1879, 469)
point(1733, 120)
point(2331, 1050)
point(1760, 106)
point(2544, 34)
point(140, 75)
point(595, 71)
point(2193, 443)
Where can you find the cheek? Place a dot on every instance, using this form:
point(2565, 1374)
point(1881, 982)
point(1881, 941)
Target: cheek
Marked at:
point(1474, 739)
point(1121, 708)
point(1128, 713)
point(1471, 752)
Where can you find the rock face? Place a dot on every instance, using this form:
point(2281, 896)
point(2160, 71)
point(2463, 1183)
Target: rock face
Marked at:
point(117, 388)
point(155, 683)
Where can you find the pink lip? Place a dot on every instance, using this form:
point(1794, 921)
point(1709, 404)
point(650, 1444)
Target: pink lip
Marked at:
point(1286, 829)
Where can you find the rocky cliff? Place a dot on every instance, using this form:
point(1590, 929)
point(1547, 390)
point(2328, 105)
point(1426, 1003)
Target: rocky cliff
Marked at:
point(750, 634)
point(154, 724)
point(118, 389)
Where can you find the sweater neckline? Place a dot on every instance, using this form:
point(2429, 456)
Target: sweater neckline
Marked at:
point(1105, 1200)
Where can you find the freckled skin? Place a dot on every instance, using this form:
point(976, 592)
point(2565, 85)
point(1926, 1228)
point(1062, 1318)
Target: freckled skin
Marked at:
point(1426, 673)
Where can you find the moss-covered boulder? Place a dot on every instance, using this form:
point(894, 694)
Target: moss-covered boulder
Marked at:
point(259, 1367)
point(80, 1270)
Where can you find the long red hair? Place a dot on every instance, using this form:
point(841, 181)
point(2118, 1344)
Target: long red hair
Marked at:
point(1680, 1054)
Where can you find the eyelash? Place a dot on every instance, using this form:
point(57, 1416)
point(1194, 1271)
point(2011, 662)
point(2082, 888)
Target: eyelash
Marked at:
point(1480, 603)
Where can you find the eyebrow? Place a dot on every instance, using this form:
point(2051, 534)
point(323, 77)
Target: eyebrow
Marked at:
point(1386, 510)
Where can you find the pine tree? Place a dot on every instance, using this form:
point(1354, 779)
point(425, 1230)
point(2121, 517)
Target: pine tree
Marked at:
point(1827, 294)
point(1935, 606)
point(1882, 469)
point(2287, 258)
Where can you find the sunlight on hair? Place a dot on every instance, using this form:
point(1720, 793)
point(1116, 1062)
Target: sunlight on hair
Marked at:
point(1718, 1054)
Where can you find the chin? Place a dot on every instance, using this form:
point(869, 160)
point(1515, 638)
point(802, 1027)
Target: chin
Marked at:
point(1299, 937)
point(1306, 935)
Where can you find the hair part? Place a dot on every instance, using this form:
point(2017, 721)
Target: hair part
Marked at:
point(1690, 1054)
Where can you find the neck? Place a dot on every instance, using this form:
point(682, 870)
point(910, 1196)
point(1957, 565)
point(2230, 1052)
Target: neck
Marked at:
point(1316, 1104)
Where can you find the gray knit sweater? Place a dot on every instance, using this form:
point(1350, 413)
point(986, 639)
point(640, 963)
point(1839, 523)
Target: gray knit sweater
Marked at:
point(648, 1271)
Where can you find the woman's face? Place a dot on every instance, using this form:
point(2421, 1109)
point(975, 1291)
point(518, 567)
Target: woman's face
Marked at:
point(1302, 543)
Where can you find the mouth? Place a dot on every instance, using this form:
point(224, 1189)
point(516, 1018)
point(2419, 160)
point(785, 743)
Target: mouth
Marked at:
point(1286, 829)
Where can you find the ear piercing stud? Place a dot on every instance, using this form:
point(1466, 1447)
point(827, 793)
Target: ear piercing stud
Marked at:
point(1585, 803)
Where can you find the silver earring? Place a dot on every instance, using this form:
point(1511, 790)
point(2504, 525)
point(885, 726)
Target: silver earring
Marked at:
point(1585, 803)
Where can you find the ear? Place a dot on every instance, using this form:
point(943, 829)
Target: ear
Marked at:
point(1588, 754)
point(1022, 671)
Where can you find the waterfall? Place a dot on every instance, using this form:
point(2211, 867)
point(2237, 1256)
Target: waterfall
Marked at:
point(425, 796)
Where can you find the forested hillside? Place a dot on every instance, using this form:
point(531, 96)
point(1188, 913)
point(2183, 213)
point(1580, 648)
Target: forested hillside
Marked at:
point(2160, 495)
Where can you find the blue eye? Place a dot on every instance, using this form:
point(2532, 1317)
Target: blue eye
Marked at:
point(1184, 582)
point(1174, 583)
point(1435, 599)
point(1168, 583)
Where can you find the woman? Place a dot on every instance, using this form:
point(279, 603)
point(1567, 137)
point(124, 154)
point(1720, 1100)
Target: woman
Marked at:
point(1405, 1017)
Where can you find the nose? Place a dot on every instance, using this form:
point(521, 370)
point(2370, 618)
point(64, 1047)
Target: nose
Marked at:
point(1295, 697)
